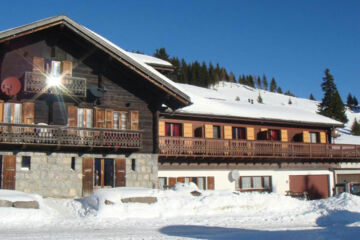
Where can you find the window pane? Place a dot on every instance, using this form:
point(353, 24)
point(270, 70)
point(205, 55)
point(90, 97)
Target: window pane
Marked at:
point(267, 183)
point(234, 131)
point(162, 182)
point(17, 113)
point(245, 183)
point(257, 183)
point(216, 131)
point(176, 130)
point(116, 120)
point(167, 129)
point(89, 118)
point(123, 120)
point(80, 119)
point(242, 133)
point(7, 113)
point(187, 180)
point(313, 137)
point(200, 183)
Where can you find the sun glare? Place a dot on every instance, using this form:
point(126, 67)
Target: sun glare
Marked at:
point(53, 81)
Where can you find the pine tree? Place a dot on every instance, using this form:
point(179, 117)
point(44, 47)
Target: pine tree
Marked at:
point(232, 77)
point(250, 81)
point(355, 129)
point(289, 102)
point(161, 53)
point(273, 85)
point(331, 105)
point(349, 101)
point(279, 90)
point(259, 99)
point(258, 82)
point(312, 97)
point(355, 102)
point(265, 83)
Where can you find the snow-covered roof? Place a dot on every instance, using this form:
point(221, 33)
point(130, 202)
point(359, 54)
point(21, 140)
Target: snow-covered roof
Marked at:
point(236, 100)
point(160, 79)
point(150, 59)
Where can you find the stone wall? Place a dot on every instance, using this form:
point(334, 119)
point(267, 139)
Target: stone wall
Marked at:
point(145, 173)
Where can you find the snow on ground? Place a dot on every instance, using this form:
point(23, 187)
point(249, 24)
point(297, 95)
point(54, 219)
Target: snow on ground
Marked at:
point(233, 99)
point(179, 215)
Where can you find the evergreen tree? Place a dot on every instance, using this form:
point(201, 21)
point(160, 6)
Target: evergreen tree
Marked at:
point(161, 53)
point(264, 83)
point(289, 102)
point(331, 105)
point(355, 102)
point(259, 99)
point(279, 90)
point(232, 77)
point(312, 97)
point(349, 101)
point(258, 82)
point(250, 81)
point(355, 129)
point(273, 85)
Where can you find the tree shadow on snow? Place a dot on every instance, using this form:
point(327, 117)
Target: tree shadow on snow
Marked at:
point(333, 226)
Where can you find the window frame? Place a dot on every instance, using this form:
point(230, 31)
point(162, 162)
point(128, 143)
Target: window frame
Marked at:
point(252, 188)
point(317, 137)
point(23, 160)
point(236, 136)
point(218, 127)
point(171, 129)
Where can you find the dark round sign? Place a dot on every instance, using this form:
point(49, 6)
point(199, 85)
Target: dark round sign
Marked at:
point(10, 86)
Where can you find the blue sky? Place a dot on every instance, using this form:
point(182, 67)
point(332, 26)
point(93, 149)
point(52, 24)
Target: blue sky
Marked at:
point(293, 41)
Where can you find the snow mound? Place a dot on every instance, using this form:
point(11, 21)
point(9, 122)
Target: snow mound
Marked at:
point(188, 187)
point(12, 196)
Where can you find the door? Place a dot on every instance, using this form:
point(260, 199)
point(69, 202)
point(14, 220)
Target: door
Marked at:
point(88, 165)
point(120, 172)
point(9, 170)
point(317, 186)
point(104, 173)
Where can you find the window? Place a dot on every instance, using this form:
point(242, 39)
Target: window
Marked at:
point(314, 137)
point(133, 164)
point(198, 132)
point(73, 163)
point(120, 120)
point(273, 135)
point(238, 133)
point(256, 183)
point(216, 132)
point(173, 129)
point(201, 182)
point(25, 162)
point(12, 113)
point(162, 183)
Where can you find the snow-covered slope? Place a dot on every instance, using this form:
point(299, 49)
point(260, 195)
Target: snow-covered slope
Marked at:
point(233, 99)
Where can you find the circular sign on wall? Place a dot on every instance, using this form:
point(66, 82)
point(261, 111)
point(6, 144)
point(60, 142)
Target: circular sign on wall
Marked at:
point(11, 86)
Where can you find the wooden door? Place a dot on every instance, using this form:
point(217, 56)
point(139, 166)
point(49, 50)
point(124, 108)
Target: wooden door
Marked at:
point(9, 171)
point(88, 166)
point(317, 186)
point(120, 172)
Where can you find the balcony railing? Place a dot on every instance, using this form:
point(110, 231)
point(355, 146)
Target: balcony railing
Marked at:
point(199, 147)
point(63, 136)
point(73, 86)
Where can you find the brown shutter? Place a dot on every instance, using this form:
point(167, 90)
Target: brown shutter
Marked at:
point(188, 131)
point(38, 65)
point(227, 132)
point(9, 172)
point(172, 181)
point(322, 137)
point(99, 118)
point(250, 133)
point(72, 115)
point(306, 136)
point(120, 172)
point(134, 118)
point(109, 118)
point(284, 135)
point(28, 112)
point(209, 131)
point(87, 166)
point(1, 110)
point(161, 129)
point(210, 183)
point(67, 68)
point(181, 179)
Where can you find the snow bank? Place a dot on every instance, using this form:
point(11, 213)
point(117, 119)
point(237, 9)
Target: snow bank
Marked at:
point(12, 196)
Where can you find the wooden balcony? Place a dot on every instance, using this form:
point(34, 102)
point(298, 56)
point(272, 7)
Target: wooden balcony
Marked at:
point(71, 137)
point(242, 149)
point(72, 86)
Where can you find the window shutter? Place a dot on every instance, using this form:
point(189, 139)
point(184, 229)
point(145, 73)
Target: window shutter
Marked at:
point(209, 131)
point(1, 110)
point(188, 132)
point(181, 179)
point(38, 65)
point(134, 118)
point(227, 132)
point(161, 128)
point(67, 68)
point(109, 118)
point(99, 118)
point(284, 135)
point(306, 136)
point(322, 137)
point(172, 181)
point(120, 172)
point(250, 133)
point(72, 115)
point(210, 183)
point(28, 112)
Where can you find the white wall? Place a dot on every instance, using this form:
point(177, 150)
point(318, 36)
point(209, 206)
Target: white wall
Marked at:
point(280, 178)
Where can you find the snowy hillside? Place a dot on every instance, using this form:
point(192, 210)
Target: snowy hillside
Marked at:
point(179, 215)
point(240, 100)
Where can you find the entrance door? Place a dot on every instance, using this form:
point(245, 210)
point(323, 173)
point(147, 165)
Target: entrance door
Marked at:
point(9, 170)
point(104, 173)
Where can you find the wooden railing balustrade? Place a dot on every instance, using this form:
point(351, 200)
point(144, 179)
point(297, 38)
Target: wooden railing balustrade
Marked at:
point(200, 147)
point(72, 86)
point(64, 136)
